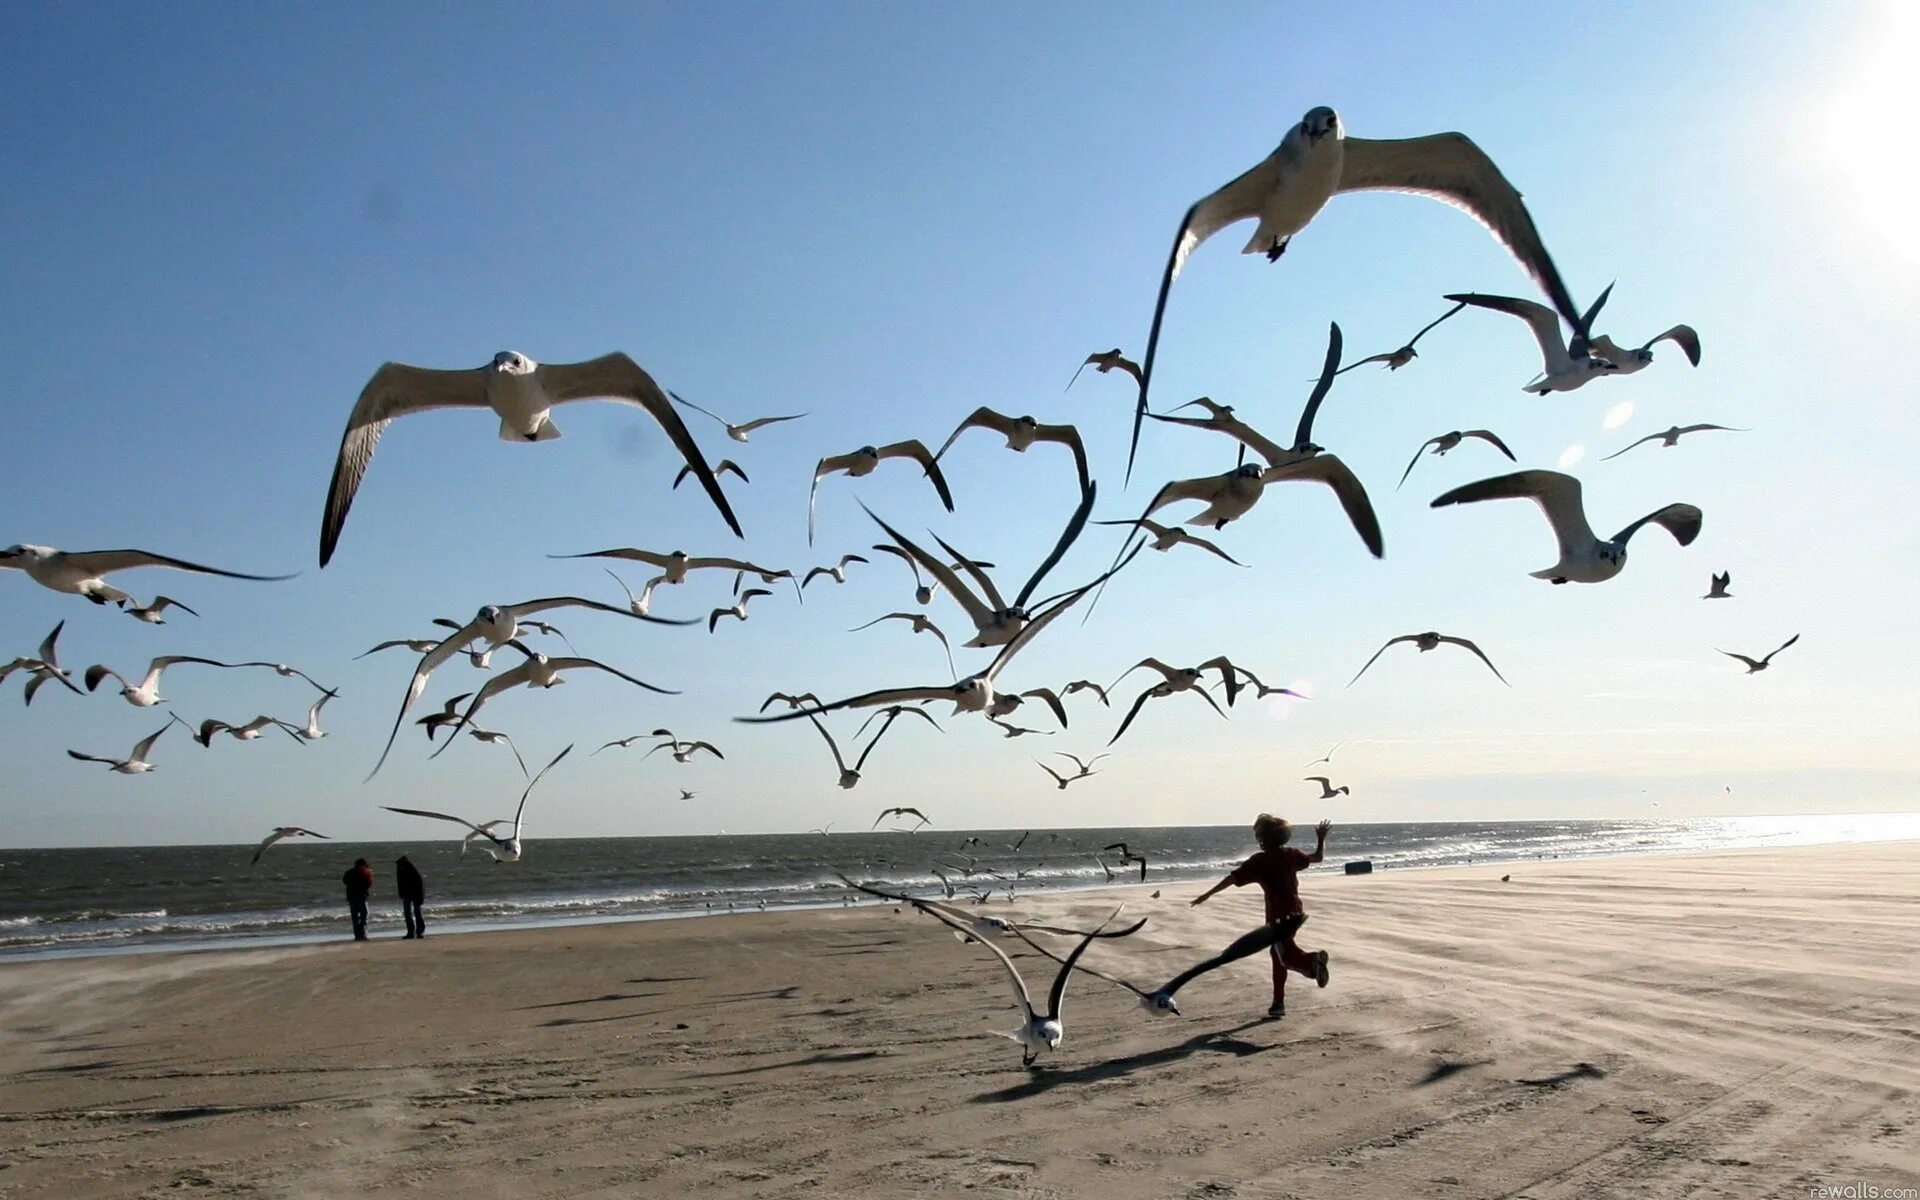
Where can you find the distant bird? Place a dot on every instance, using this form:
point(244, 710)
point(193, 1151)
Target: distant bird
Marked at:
point(1396, 359)
point(837, 572)
point(921, 624)
point(1429, 641)
point(1626, 362)
point(683, 752)
point(1671, 437)
point(862, 462)
point(737, 432)
point(417, 645)
point(522, 392)
point(1316, 161)
point(897, 812)
point(638, 607)
point(737, 609)
point(850, 776)
point(1021, 433)
point(151, 613)
point(1064, 780)
point(1327, 790)
point(286, 672)
point(146, 693)
point(489, 737)
point(1328, 756)
point(687, 795)
point(1088, 685)
point(44, 666)
point(500, 849)
point(1755, 666)
point(1565, 365)
point(135, 763)
point(1448, 441)
point(1127, 855)
point(1166, 537)
point(1717, 586)
point(1584, 558)
point(449, 714)
point(284, 831)
point(82, 572)
point(792, 702)
point(720, 468)
point(1105, 361)
point(1160, 1001)
point(674, 565)
point(1014, 731)
point(244, 733)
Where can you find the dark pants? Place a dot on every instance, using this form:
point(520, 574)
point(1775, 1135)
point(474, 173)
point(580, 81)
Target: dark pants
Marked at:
point(1288, 955)
point(357, 907)
point(416, 920)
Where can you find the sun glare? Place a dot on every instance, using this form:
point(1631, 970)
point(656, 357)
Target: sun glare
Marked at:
point(1571, 455)
point(1868, 130)
point(1618, 415)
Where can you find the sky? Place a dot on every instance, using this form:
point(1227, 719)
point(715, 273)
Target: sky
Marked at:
point(223, 218)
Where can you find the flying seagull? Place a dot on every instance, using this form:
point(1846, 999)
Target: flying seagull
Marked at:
point(489, 737)
point(1396, 359)
point(150, 613)
point(1328, 756)
point(720, 468)
point(83, 572)
point(1717, 586)
point(920, 623)
point(1166, 537)
point(1175, 681)
point(862, 462)
point(1105, 361)
point(284, 831)
point(895, 812)
point(850, 776)
point(1584, 558)
point(1021, 433)
point(737, 609)
point(682, 752)
point(244, 733)
point(675, 564)
point(1626, 362)
point(1127, 855)
point(1447, 441)
point(738, 433)
point(1429, 641)
point(1755, 666)
point(1160, 1001)
point(135, 763)
point(1565, 365)
point(836, 572)
point(1327, 790)
point(500, 849)
point(1088, 685)
point(1671, 437)
point(45, 666)
point(146, 693)
point(539, 671)
point(1316, 161)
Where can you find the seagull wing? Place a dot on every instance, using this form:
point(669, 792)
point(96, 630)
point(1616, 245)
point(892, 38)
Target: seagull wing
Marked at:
point(980, 614)
point(1557, 494)
point(1652, 437)
point(570, 663)
point(440, 816)
point(395, 390)
point(1428, 327)
point(1204, 488)
point(1057, 994)
point(1132, 713)
point(1491, 438)
point(49, 647)
point(1414, 461)
point(1405, 637)
point(1783, 645)
point(917, 450)
point(533, 783)
point(1068, 436)
point(1684, 337)
point(1681, 520)
point(882, 696)
point(429, 662)
point(1539, 318)
point(1075, 525)
point(980, 418)
point(1052, 701)
point(651, 558)
point(100, 562)
point(144, 746)
point(679, 399)
point(1752, 663)
point(1303, 433)
point(1463, 642)
point(757, 422)
point(1352, 494)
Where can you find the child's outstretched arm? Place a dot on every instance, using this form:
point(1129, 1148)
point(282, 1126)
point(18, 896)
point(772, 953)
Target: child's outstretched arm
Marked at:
point(1203, 896)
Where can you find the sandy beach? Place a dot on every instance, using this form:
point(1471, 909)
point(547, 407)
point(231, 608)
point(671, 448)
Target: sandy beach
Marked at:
point(1744, 1024)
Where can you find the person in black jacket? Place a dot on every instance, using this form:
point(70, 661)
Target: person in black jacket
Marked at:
point(359, 881)
point(413, 893)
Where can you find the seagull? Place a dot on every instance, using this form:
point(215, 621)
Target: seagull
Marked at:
point(1316, 161)
point(501, 850)
point(922, 590)
point(1565, 366)
point(1430, 641)
point(136, 761)
point(1175, 681)
point(82, 572)
point(1087, 685)
point(687, 795)
point(45, 666)
point(894, 812)
point(151, 613)
point(1105, 361)
point(1160, 1001)
point(1448, 441)
point(683, 752)
point(244, 733)
point(1671, 437)
point(676, 564)
point(920, 623)
point(1014, 731)
point(791, 702)
point(1626, 362)
point(737, 609)
point(489, 737)
point(417, 645)
point(1327, 790)
point(146, 693)
point(286, 672)
point(1105, 867)
point(889, 713)
point(1260, 690)
point(449, 714)
point(720, 468)
point(284, 831)
point(496, 625)
point(522, 392)
point(737, 432)
point(1005, 702)
point(1584, 558)
point(1127, 856)
point(996, 622)
point(862, 462)
point(850, 776)
point(1086, 769)
point(1186, 677)
point(538, 671)
point(1717, 586)
point(1021, 433)
point(837, 572)
point(1405, 354)
point(1327, 757)
point(1166, 537)
point(1754, 666)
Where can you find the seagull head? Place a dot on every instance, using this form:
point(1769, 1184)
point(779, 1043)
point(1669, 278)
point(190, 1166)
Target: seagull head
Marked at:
point(1160, 1004)
point(849, 778)
point(1319, 122)
point(1248, 471)
point(490, 613)
point(868, 452)
point(36, 553)
point(512, 362)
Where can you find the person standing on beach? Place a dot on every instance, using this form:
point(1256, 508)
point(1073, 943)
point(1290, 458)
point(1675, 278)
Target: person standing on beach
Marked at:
point(1276, 868)
point(413, 893)
point(359, 881)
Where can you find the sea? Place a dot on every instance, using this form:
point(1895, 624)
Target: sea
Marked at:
point(58, 902)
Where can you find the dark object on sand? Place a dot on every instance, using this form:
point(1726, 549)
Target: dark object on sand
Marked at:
point(1363, 866)
point(1505, 878)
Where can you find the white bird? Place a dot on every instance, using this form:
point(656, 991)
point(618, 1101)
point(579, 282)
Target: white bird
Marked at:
point(146, 693)
point(1014, 731)
point(500, 849)
point(1088, 685)
point(417, 645)
point(1584, 558)
point(1627, 362)
point(150, 613)
point(922, 590)
point(1327, 790)
point(1021, 433)
point(921, 624)
point(523, 393)
point(850, 776)
point(1316, 161)
point(1717, 586)
point(1166, 537)
point(1756, 665)
point(1447, 441)
point(683, 752)
point(837, 572)
point(312, 732)
point(1396, 359)
point(286, 672)
point(737, 432)
point(539, 671)
point(1105, 361)
point(135, 763)
point(1173, 681)
point(898, 812)
point(675, 565)
point(862, 462)
point(284, 831)
point(1086, 768)
point(1564, 365)
point(720, 468)
point(638, 607)
point(83, 572)
point(1429, 641)
point(490, 737)
point(44, 666)
point(243, 733)
point(1160, 1001)
point(1671, 437)
point(737, 609)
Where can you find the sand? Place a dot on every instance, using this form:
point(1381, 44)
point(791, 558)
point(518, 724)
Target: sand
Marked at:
point(1742, 1024)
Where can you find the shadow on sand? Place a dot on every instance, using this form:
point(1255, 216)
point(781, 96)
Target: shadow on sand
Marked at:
point(1043, 1080)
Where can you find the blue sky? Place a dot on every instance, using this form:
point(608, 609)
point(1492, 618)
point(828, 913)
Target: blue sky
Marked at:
point(223, 219)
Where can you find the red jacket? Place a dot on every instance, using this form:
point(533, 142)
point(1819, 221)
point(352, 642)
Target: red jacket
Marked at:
point(359, 881)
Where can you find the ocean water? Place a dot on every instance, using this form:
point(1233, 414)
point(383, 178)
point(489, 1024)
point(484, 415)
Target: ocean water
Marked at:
point(73, 901)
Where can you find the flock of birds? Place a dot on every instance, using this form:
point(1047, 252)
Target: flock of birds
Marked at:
point(1314, 162)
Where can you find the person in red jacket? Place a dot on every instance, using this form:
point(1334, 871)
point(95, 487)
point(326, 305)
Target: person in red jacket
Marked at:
point(359, 881)
point(1276, 868)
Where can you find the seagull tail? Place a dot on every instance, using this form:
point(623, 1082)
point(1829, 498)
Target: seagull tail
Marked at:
point(543, 432)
